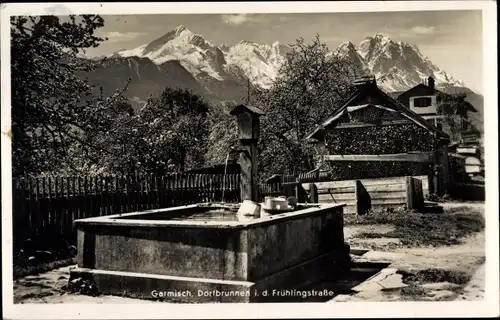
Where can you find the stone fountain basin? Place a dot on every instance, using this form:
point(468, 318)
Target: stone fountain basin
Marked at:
point(208, 248)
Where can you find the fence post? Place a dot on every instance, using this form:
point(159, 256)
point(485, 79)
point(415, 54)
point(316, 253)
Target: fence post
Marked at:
point(30, 204)
point(69, 214)
point(363, 198)
point(313, 190)
point(37, 198)
point(409, 194)
point(80, 202)
point(103, 209)
point(296, 189)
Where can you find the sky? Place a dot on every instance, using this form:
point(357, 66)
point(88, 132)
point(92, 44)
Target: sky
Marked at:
point(450, 39)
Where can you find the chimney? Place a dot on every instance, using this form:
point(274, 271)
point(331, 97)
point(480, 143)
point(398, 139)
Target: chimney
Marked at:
point(365, 80)
point(431, 82)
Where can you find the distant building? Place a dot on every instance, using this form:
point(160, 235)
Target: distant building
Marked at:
point(431, 104)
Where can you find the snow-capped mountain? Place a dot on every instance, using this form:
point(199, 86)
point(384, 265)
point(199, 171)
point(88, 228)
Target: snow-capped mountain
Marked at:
point(259, 62)
point(347, 49)
point(396, 65)
point(197, 55)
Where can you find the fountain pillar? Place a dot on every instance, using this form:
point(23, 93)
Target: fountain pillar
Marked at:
point(248, 118)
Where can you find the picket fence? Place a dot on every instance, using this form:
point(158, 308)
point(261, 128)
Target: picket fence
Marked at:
point(51, 204)
point(48, 206)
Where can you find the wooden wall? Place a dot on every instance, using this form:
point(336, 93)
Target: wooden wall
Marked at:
point(383, 192)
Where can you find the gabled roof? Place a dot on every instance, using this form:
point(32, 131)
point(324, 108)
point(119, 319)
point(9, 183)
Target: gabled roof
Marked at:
point(468, 105)
point(414, 116)
point(394, 106)
point(246, 108)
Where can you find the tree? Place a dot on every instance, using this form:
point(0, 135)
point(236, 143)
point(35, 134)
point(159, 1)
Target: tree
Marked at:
point(51, 105)
point(453, 108)
point(168, 134)
point(176, 130)
point(223, 133)
point(114, 146)
point(311, 85)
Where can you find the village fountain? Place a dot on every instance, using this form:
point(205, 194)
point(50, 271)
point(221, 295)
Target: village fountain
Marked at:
point(212, 252)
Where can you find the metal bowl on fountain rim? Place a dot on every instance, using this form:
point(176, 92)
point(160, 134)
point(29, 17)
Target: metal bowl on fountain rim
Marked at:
point(276, 204)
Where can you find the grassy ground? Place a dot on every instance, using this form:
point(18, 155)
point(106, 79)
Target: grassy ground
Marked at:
point(415, 229)
point(453, 282)
point(435, 254)
point(434, 275)
point(24, 270)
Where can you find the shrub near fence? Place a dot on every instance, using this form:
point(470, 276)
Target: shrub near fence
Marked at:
point(51, 204)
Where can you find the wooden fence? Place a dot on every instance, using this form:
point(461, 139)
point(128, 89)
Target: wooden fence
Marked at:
point(51, 204)
point(290, 185)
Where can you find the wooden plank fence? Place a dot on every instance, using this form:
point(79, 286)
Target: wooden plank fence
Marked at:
point(51, 204)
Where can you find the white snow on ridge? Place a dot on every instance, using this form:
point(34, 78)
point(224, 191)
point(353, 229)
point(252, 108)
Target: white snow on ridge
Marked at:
point(260, 63)
point(398, 65)
point(133, 52)
point(181, 48)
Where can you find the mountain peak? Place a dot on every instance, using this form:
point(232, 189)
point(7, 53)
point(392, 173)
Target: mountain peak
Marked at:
point(180, 28)
point(224, 47)
point(380, 35)
point(346, 48)
point(246, 42)
point(346, 44)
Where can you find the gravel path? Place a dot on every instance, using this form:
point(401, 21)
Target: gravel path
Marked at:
point(475, 204)
point(475, 289)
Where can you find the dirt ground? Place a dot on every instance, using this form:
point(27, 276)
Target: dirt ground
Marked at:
point(464, 259)
point(49, 287)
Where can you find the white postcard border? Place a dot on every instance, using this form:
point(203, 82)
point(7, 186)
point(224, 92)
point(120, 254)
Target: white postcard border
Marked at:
point(488, 307)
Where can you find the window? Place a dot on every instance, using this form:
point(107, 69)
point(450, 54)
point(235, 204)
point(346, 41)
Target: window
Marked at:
point(422, 102)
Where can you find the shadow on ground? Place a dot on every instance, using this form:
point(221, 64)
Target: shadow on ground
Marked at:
point(337, 284)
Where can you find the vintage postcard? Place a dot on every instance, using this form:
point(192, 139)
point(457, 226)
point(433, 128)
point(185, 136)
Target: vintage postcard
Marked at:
point(196, 160)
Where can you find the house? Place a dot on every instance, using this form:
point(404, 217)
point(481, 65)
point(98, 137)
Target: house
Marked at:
point(436, 106)
point(372, 135)
point(448, 112)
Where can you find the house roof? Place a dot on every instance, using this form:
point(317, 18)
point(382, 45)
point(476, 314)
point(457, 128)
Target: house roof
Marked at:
point(394, 106)
point(467, 104)
point(246, 108)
